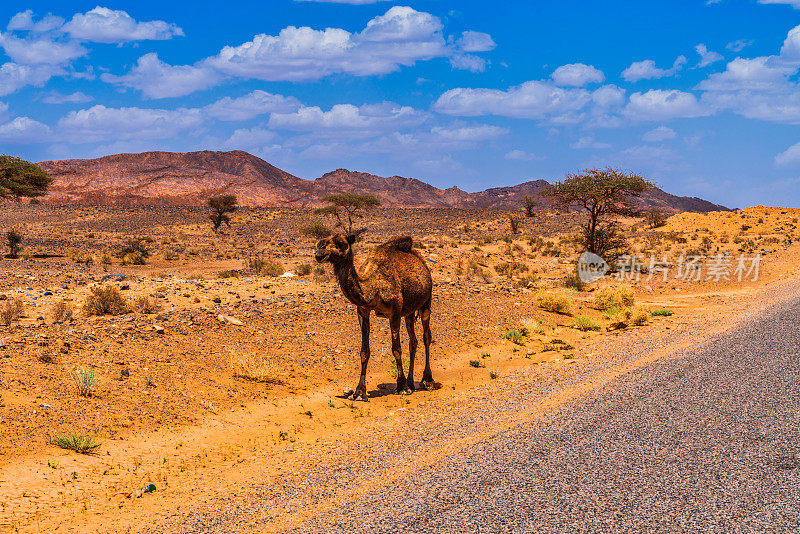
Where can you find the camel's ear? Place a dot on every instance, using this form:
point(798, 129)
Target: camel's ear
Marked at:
point(351, 239)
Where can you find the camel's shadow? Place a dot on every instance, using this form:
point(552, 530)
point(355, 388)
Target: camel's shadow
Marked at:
point(390, 388)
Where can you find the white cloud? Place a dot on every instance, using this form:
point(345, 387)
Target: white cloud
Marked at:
point(790, 51)
point(41, 51)
point(24, 130)
point(157, 79)
point(481, 132)
point(468, 62)
point(100, 123)
point(103, 25)
point(647, 70)
point(14, 76)
point(707, 57)
point(757, 74)
point(794, 3)
point(247, 139)
point(589, 142)
point(250, 106)
point(662, 133)
point(789, 157)
point(661, 104)
point(54, 97)
point(400, 37)
point(521, 155)
point(348, 120)
point(577, 75)
point(532, 100)
point(739, 45)
point(351, 2)
point(24, 21)
point(471, 41)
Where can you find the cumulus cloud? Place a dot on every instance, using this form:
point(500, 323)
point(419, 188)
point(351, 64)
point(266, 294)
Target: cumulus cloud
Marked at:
point(78, 97)
point(794, 3)
point(468, 62)
point(468, 133)
point(103, 25)
point(100, 123)
point(348, 120)
point(656, 135)
point(790, 51)
point(156, 79)
point(589, 142)
point(661, 104)
point(647, 70)
point(40, 51)
point(757, 74)
point(739, 45)
point(471, 41)
point(789, 157)
point(14, 76)
point(24, 130)
point(521, 155)
point(250, 106)
point(707, 57)
point(577, 75)
point(249, 138)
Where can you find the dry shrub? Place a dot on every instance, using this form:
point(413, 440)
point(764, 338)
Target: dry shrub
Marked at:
point(11, 311)
point(584, 323)
point(78, 256)
point(146, 305)
point(556, 301)
point(253, 368)
point(316, 229)
point(266, 266)
point(85, 380)
point(133, 258)
point(105, 301)
point(639, 315)
point(303, 269)
point(608, 297)
point(61, 312)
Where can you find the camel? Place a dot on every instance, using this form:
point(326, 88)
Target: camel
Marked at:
point(394, 282)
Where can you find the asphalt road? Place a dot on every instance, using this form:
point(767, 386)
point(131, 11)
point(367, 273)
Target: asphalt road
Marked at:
point(705, 441)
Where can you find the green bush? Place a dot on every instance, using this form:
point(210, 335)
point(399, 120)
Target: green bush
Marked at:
point(517, 335)
point(303, 270)
point(661, 313)
point(81, 443)
point(584, 323)
point(266, 266)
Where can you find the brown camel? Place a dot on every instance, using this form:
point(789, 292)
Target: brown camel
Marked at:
point(395, 282)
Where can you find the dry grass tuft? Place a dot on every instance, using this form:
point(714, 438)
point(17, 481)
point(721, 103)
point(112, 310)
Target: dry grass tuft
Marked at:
point(11, 311)
point(556, 301)
point(609, 297)
point(255, 369)
point(81, 443)
point(105, 301)
point(61, 312)
point(147, 305)
point(266, 266)
point(85, 380)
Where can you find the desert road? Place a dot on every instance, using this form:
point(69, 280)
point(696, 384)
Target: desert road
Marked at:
point(707, 440)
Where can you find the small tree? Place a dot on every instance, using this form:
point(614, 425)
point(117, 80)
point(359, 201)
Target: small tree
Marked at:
point(603, 194)
point(221, 206)
point(20, 178)
point(655, 218)
point(348, 206)
point(530, 204)
point(13, 240)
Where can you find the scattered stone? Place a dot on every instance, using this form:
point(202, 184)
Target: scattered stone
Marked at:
point(158, 328)
point(229, 320)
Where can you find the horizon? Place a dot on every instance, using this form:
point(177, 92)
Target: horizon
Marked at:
point(703, 99)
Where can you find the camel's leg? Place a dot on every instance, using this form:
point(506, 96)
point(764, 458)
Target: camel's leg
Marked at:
point(427, 338)
point(361, 390)
point(412, 349)
point(397, 351)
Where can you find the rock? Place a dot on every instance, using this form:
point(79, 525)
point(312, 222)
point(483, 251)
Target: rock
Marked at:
point(124, 373)
point(158, 329)
point(217, 300)
point(227, 319)
point(124, 287)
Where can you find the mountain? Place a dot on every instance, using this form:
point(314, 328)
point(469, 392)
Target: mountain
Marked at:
point(189, 178)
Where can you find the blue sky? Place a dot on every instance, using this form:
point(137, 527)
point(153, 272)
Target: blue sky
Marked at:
point(701, 97)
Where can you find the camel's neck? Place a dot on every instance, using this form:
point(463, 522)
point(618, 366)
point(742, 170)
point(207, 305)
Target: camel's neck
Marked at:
point(349, 282)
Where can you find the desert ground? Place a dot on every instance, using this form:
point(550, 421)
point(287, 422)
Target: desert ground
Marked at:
point(226, 360)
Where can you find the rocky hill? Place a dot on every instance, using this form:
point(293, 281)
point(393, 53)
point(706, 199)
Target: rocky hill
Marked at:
point(173, 178)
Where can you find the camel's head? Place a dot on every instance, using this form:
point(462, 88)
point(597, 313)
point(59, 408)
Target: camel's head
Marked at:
point(335, 248)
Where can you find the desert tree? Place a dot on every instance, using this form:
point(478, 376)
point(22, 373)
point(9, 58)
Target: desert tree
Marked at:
point(346, 208)
point(603, 195)
point(655, 218)
point(529, 203)
point(20, 178)
point(13, 241)
point(221, 206)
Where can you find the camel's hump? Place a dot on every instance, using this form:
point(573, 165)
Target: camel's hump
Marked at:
point(403, 243)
